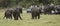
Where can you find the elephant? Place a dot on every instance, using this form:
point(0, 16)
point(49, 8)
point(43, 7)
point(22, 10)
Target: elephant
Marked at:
point(8, 14)
point(16, 13)
point(35, 11)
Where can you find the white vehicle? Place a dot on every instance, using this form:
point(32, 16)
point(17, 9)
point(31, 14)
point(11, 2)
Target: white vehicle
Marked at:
point(29, 10)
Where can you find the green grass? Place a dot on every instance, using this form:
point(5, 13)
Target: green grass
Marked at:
point(45, 20)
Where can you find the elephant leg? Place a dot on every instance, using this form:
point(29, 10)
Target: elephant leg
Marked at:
point(20, 17)
point(16, 18)
point(39, 16)
point(11, 17)
point(35, 17)
point(32, 16)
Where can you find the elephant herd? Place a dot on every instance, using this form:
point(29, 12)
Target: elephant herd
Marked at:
point(16, 13)
point(35, 12)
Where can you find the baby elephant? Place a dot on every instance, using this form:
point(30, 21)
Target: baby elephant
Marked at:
point(16, 13)
point(8, 14)
point(35, 12)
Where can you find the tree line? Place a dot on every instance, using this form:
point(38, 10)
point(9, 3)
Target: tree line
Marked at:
point(26, 3)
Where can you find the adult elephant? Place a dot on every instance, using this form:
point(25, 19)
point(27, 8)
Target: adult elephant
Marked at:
point(16, 13)
point(8, 14)
point(35, 11)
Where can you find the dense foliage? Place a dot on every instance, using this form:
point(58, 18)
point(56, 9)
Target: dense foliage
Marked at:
point(25, 3)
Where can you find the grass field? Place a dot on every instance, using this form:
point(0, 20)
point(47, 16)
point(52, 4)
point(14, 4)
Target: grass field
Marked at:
point(45, 20)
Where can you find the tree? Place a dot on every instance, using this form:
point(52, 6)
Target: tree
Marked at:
point(57, 2)
point(46, 1)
